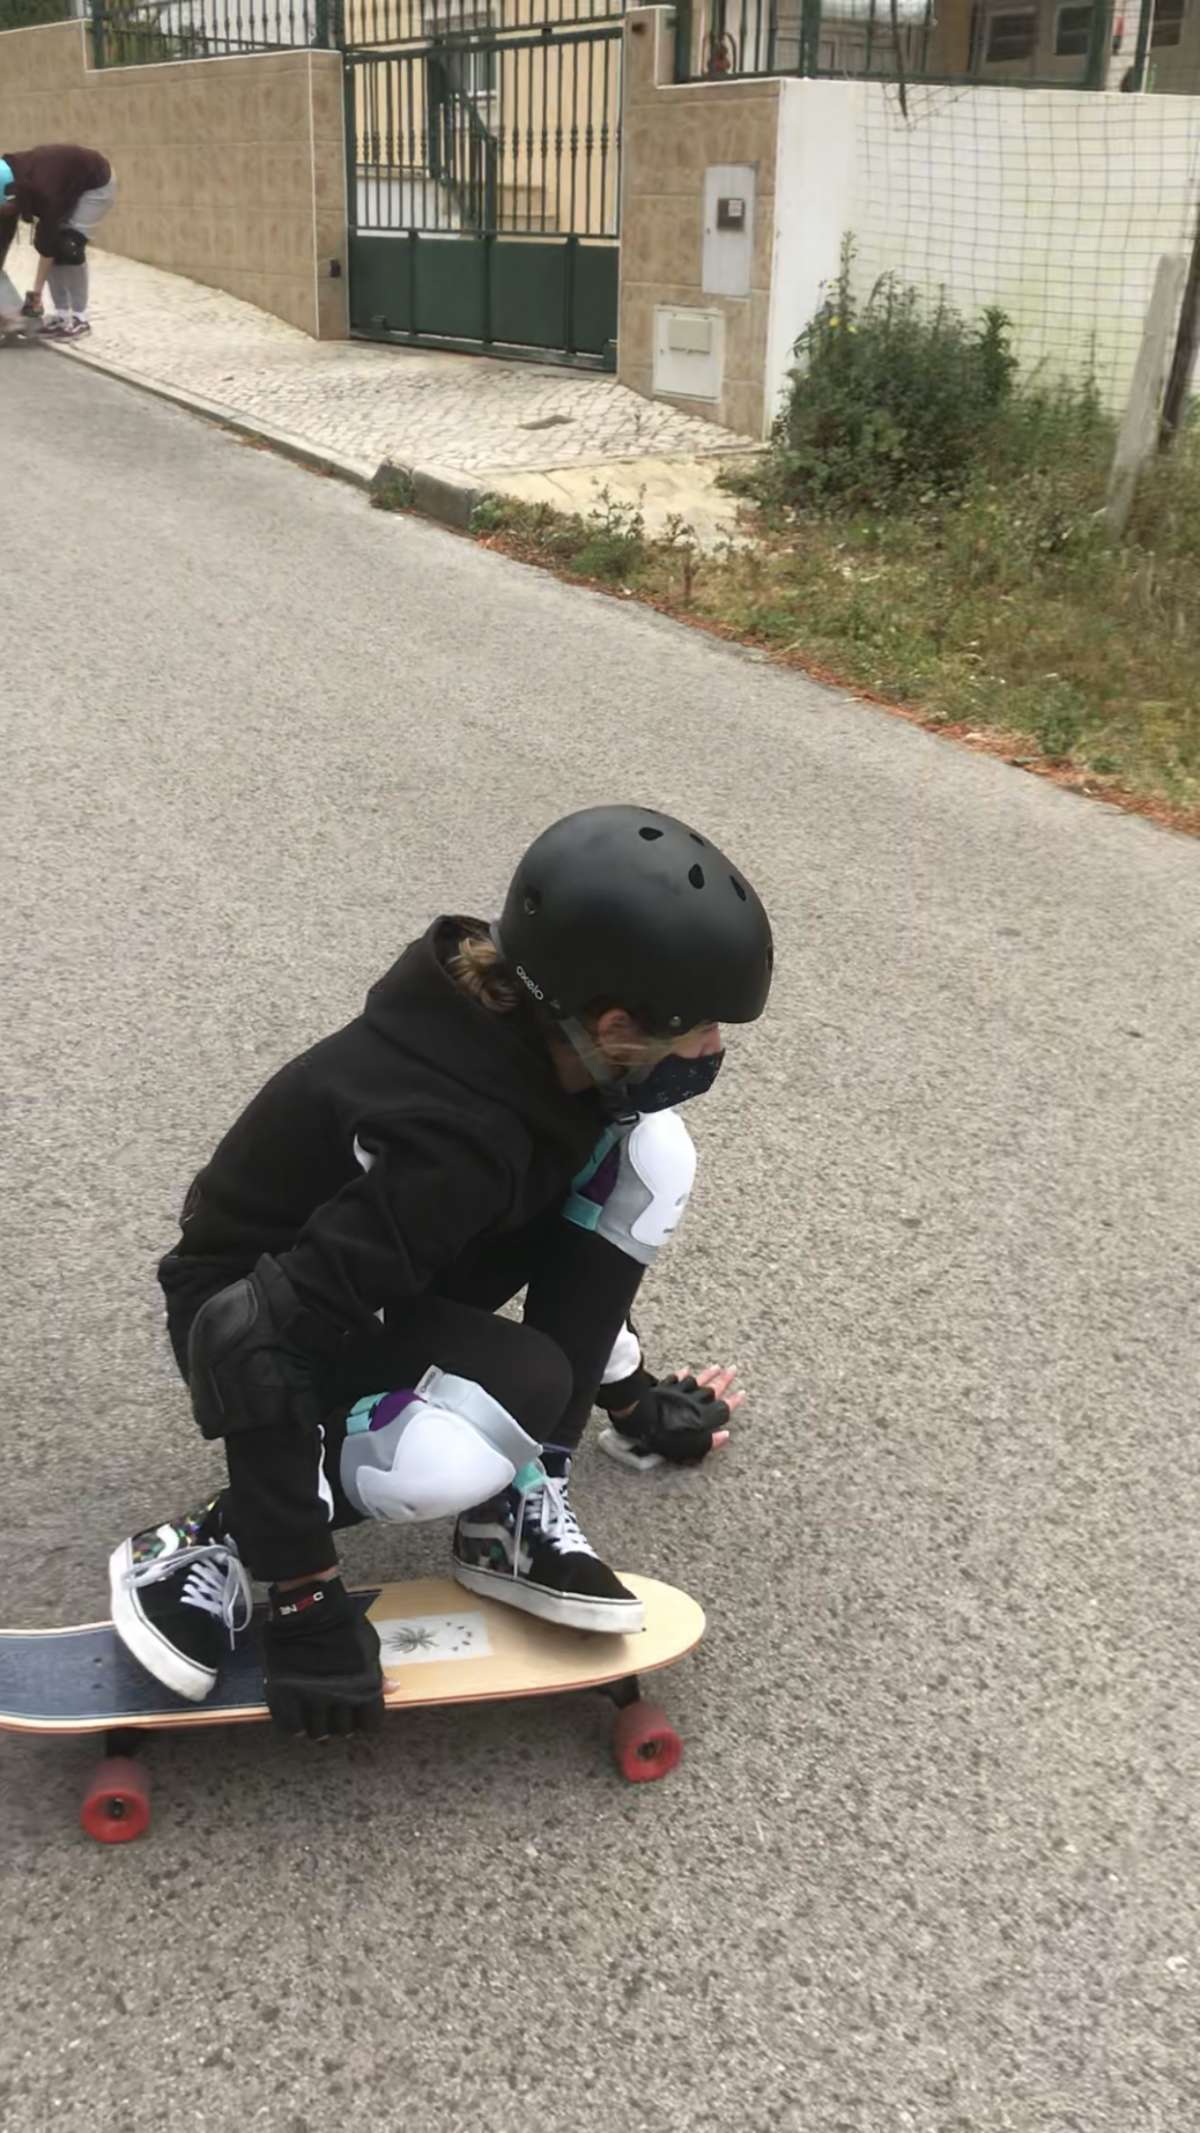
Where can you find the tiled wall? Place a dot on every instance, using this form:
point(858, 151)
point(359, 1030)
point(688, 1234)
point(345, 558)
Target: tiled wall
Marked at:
point(671, 136)
point(232, 171)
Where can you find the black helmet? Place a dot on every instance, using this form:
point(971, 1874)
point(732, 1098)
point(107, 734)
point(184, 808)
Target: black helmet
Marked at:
point(629, 907)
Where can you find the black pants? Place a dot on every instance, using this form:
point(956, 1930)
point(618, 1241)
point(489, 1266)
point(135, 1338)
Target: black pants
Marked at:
point(546, 1371)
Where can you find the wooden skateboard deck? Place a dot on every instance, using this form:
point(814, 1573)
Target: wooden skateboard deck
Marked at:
point(439, 1644)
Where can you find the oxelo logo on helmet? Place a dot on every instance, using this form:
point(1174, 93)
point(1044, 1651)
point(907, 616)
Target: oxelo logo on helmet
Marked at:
point(528, 982)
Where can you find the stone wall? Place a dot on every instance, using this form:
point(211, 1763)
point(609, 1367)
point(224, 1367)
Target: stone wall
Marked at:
point(231, 171)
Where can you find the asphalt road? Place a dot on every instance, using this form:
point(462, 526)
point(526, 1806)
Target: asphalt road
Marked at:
point(930, 1864)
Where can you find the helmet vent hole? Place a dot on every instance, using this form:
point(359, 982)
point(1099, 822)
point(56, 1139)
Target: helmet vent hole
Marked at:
point(695, 837)
point(533, 902)
point(738, 889)
point(696, 877)
point(649, 834)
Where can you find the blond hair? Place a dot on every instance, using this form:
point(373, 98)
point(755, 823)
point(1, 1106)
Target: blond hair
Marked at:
point(478, 966)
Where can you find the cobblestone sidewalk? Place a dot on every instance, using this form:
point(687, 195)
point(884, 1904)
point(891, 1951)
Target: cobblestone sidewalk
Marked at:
point(560, 434)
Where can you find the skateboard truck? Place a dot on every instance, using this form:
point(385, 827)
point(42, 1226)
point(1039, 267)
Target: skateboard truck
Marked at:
point(116, 1800)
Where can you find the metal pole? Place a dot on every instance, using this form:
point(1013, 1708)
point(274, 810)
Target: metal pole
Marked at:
point(683, 40)
point(1099, 49)
point(1145, 27)
point(810, 36)
point(1184, 360)
point(1139, 427)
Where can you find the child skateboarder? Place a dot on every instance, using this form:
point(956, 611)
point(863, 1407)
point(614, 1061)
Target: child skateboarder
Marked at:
point(500, 1117)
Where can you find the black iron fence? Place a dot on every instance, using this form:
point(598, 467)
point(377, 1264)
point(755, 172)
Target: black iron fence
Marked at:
point(30, 14)
point(401, 22)
point(741, 37)
point(1056, 44)
point(515, 134)
point(1081, 44)
point(135, 33)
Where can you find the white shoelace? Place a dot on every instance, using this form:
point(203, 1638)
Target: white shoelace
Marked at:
point(553, 1516)
point(217, 1582)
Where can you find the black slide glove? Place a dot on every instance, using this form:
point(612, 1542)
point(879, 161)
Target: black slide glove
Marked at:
point(674, 1417)
point(252, 1349)
point(321, 1671)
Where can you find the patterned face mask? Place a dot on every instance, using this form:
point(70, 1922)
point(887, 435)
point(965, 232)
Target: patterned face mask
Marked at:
point(673, 1081)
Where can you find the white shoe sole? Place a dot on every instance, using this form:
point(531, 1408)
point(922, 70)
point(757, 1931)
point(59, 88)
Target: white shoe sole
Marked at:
point(610, 1618)
point(144, 1642)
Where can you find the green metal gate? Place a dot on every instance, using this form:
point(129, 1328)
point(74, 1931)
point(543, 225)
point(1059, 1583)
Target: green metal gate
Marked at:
point(485, 188)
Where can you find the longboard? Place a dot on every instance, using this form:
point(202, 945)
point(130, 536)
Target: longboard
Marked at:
point(439, 1645)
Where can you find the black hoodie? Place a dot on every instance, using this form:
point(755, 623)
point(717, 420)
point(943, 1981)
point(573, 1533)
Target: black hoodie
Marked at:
point(376, 1160)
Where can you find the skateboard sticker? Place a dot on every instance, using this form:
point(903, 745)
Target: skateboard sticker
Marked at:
point(413, 1640)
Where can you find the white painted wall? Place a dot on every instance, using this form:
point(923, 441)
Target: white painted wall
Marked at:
point(1054, 204)
point(819, 126)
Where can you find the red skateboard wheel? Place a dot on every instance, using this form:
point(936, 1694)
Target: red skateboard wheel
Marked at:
point(645, 1743)
point(116, 1805)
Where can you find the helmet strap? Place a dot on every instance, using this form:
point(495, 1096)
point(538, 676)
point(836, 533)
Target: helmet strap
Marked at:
point(583, 1044)
point(617, 1083)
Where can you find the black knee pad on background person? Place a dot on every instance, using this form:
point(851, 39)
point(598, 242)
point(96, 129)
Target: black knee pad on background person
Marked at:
point(70, 248)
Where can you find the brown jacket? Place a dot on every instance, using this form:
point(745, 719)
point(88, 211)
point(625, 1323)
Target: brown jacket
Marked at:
point(49, 181)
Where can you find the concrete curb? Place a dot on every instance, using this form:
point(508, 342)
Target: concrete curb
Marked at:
point(439, 493)
point(316, 457)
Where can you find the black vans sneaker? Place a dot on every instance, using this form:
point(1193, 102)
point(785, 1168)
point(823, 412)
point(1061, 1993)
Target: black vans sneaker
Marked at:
point(180, 1594)
point(525, 1547)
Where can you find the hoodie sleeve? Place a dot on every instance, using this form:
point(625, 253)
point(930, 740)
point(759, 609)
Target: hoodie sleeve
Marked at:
point(426, 1193)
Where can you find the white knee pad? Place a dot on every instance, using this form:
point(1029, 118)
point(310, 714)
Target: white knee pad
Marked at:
point(411, 1456)
point(635, 1190)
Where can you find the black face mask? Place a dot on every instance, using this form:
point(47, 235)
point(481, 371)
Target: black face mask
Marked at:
point(673, 1081)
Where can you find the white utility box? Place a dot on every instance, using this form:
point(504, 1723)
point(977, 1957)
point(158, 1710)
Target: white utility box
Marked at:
point(689, 352)
point(728, 229)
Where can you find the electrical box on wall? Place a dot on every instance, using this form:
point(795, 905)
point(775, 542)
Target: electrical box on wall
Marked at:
point(728, 228)
point(689, 352)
